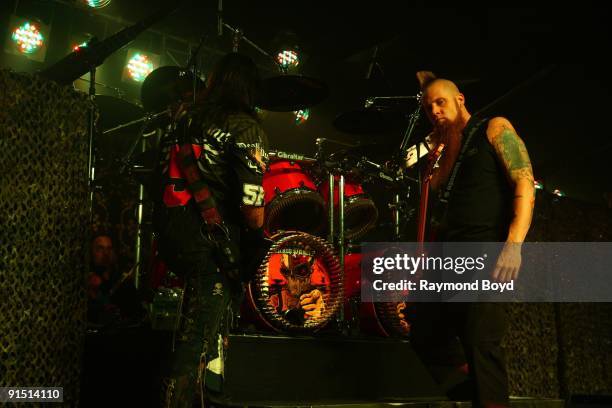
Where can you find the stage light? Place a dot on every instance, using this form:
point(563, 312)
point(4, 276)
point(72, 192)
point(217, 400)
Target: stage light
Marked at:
point(301, 116)
point(97, 3)
point(558, 193)
point(287, 52)
point(538, 185)
point(288, 58)
point(80, 40)
point(139, 65)
point(77, 47)
point(27, 38)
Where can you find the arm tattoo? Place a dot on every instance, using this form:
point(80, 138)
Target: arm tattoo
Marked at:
point(513, 154)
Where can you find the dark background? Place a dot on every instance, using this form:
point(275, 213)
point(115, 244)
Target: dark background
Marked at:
point(562, 114)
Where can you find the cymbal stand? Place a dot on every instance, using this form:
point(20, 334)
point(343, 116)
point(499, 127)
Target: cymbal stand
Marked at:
point(127, 163)
point(413, 119)
point(192, 65)
point(148, 118)
point(399, 211)
point(335, 169)
point(91, 168)
point(398, 205)
point(239, 36)
point(326, 165)
point(91, 130)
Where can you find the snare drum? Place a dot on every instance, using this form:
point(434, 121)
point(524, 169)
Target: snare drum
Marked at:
point(360, 212)
point(291, 198)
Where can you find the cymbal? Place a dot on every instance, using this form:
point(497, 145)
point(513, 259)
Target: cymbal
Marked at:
point(368, 120)
point(166, 85)
point(116, 111)
point(287, 93)
point(369, 150)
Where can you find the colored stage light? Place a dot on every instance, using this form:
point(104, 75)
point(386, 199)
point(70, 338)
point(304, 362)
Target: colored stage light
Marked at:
point(81, 40)
point(97, 3)
point(288, 58)
point(538, 185)
point(77, 47)
point(138, 65)
point(28, 38)
point(558, 193)
point(301, 116)
point(287, 52)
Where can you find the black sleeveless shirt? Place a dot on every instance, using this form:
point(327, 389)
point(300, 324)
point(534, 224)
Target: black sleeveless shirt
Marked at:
point(480, 204)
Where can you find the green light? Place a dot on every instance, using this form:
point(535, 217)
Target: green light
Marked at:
point(79, 46)
point(97, 3)
point(139, 67)
point(558, 193)
point(28, 38)
point(301, 116)
point(538, 185)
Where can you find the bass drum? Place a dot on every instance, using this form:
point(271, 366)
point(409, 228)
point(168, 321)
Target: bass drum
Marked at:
point(291, 199)
point(298, 286)
point(387, 319)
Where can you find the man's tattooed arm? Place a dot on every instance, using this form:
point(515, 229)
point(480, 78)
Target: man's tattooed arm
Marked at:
point(512, 153)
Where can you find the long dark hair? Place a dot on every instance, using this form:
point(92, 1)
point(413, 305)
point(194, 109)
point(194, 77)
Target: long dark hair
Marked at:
point(233, 87)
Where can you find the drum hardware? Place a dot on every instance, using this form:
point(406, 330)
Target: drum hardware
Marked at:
point(289, 93)
point(280, 155)
point(282, 93)
point(165, 307)
point(170, 85)
point(87, 59)
point(413, 119)
point(388, 100)
point(148, 119)
point(369, 121)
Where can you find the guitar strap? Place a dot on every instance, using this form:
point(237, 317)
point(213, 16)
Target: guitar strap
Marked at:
point(442, 209)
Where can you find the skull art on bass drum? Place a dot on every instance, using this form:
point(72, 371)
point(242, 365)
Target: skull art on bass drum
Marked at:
point(298, 286)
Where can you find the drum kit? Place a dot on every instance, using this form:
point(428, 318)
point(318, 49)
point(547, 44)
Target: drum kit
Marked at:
point(325, 196)
point(317, 209)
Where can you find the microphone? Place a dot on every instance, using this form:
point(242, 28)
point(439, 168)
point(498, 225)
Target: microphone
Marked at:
point(372, 63)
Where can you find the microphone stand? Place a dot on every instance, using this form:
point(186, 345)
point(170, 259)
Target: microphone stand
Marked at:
point(127, 161)
point(192, 65)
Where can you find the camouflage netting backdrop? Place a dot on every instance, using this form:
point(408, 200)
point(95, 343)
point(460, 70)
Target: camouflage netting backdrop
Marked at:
point(556, 350)
point(44, 230)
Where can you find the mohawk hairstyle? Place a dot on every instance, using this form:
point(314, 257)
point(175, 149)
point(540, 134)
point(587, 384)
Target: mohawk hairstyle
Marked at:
point(425, 78)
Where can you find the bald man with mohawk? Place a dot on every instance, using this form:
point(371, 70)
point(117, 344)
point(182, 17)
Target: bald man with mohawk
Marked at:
point(490, 199)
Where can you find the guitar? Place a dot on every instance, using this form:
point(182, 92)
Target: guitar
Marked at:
point(432, 163)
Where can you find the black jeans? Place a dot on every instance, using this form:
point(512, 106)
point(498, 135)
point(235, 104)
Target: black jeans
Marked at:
point(480, 328)
point(208, 293)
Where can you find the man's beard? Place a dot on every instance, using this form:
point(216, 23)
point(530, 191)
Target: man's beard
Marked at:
point(450, 131)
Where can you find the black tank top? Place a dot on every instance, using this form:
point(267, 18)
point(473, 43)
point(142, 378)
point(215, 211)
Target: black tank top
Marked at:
point(480, 205)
